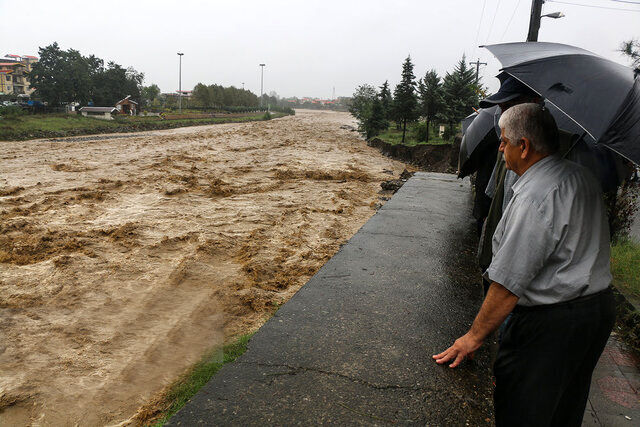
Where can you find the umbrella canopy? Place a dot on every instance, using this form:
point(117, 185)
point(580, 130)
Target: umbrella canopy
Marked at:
point(476, 134)
point(477, 130)
point(599, 95)
point(467, 121)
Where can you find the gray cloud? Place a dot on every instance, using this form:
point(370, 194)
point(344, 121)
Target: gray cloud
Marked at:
point(309, 47)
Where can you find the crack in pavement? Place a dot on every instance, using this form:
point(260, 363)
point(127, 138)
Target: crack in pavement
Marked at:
point(294, 370)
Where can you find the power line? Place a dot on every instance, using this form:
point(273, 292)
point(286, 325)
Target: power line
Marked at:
point(510, 19)
point(475, 45)
point(493, 21)
point(594, 6)
point(627, 1)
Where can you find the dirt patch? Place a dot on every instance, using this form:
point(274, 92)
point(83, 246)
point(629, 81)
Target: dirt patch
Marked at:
point(431, 158)
point(115, 278)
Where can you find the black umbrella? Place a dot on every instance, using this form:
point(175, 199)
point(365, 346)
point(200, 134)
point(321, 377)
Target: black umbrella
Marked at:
point(601, 96)
point(467, 121)
point(478, 131)
point(476, 135)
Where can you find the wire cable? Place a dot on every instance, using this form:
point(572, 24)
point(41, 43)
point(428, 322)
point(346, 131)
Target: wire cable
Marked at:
point(594, 6)
point(510, 19)
point(480, 23)
point(493, 21)
point(627, 1)
point(475, 44)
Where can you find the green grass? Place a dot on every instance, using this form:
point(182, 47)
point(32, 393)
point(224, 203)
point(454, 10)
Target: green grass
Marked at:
point(625, 266)
point(200, 374)
point(60, 125)
point(394, 136)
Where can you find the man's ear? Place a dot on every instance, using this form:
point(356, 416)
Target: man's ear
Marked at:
point(526, 151)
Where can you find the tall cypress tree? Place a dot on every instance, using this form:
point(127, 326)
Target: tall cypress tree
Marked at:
point(376, 122)
point(431, 102)
point(405, 101)
point(460, 93)
point(386, 99)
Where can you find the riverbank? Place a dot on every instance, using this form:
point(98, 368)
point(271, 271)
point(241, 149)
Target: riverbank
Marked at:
point(428, 157)
point(26, 127)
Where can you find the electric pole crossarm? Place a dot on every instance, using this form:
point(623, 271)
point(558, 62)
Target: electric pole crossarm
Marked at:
point(477, 63)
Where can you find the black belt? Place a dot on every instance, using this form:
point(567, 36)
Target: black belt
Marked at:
point(563, 304)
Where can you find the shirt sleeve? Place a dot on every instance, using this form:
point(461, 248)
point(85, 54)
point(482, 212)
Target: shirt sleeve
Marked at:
point(525, 245)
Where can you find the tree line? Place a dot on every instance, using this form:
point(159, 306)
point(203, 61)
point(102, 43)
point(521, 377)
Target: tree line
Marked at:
point(217, 96)
point(427, 101)
point(67, 76)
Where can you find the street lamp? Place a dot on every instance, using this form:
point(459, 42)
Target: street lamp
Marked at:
point(534, 20)
point(554, 15)
point(261, 81)
point(180, 82)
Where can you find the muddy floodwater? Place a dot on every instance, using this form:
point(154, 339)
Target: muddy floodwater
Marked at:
point(123, 260)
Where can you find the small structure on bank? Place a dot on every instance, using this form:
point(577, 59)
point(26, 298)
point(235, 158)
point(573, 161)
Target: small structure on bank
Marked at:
point(127, 106)
point(104, 113)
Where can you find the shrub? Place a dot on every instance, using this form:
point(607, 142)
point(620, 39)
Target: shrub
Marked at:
point(420, 131)
point(11, 111)
point(622, 208)
point(449, 133)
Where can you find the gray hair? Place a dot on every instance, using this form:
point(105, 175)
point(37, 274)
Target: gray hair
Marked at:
point(531, 121)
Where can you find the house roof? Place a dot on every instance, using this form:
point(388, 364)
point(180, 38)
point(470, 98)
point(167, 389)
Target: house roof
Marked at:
point(126, 99)
point(30, 57)
point(12, 56)
point(11, 63)
point(98, 109)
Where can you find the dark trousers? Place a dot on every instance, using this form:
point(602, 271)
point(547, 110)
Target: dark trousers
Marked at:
point(544, 365)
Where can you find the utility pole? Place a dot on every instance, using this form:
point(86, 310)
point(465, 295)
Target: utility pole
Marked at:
point(534, 20)
point(478, 64)
point(261, 81)
point(180, 83)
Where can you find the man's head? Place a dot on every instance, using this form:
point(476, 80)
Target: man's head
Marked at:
point(512, 92)
point(528, 134)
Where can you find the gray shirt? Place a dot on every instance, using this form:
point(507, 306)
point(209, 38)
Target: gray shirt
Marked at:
point(552, 243)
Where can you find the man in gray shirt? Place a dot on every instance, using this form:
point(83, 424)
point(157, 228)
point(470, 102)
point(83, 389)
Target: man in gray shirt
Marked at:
point(550, 266)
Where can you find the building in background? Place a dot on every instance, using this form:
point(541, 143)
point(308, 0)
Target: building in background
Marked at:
point(14, 74)
point(104, 113)
point(127, 106)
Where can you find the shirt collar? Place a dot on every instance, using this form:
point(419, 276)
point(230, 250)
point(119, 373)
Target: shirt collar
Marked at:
point(531, 173)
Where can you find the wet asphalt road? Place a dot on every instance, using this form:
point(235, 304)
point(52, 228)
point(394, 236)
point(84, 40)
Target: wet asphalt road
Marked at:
point(354, 345)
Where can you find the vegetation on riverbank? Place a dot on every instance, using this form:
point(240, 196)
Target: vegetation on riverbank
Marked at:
point(414, 136)
point(625, 266)
point(417, 106)
point(188, 385)
point(24, 127)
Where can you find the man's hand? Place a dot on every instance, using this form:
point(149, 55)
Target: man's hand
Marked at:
point(465, 346)
point(497, 305)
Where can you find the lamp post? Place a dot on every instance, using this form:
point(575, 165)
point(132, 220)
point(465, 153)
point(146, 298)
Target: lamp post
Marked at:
point(534, 20)
point(180, 82)
point(261, 81)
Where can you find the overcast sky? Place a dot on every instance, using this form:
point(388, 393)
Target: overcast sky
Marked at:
point(309, 47)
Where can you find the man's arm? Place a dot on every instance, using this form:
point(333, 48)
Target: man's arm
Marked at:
point(497, 305)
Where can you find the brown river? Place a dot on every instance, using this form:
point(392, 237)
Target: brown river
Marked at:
point(124, 258)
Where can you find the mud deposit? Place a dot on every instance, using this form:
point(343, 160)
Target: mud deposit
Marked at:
point(122, 260)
